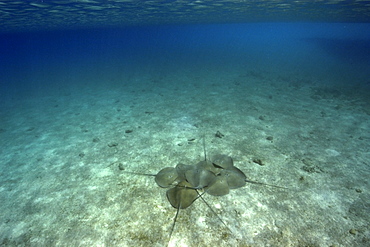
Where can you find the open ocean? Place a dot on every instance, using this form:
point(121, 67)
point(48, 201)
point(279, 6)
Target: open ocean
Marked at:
point(98, 97)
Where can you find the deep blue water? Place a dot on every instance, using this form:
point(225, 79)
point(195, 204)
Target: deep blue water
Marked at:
point(45, 60)
point(46, 44)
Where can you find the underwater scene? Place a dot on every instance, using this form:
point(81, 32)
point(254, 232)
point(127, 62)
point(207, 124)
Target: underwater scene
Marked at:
point(184, 123)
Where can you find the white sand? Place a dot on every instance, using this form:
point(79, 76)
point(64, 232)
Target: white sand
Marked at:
point(61, 186)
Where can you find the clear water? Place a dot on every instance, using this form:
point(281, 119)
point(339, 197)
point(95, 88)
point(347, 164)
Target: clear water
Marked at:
point(88, 88)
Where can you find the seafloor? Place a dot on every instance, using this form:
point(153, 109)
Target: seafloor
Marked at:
point(64, 155)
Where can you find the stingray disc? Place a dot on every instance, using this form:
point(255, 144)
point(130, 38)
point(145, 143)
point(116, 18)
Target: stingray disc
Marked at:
point(235, 178)
point(181, 169)
point(207, 165)
point(166, 177)
point(199, 178)
point(223, 161)
point(180, 196)
point(219, 187)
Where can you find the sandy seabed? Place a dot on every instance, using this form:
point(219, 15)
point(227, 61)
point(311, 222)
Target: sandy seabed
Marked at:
point(64, 156)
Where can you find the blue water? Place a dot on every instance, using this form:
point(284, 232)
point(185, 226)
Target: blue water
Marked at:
point(45, 60)
point(91, 88)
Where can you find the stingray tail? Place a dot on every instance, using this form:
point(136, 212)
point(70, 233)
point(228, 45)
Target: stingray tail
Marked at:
point(209, 206)
point(173, 225)
point(204, 147)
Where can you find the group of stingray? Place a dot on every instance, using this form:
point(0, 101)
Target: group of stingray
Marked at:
point(187, 183)
point(214, 177)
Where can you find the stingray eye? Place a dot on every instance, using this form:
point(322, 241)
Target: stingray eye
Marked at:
point(216, 166)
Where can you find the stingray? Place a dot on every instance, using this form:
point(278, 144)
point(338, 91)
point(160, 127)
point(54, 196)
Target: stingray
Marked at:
point(182, 169)
point(182, 196)
point(187, 183)
point(235, 178)
point(193, 178)
point(223, 161)
point(166, 177)
point(218, 187)
point(226, 179)
point(199, 178)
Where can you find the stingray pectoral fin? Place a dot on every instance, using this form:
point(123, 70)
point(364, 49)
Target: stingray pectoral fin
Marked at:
point(193, 176)
point(235, 178)
point(182, 196)
point(207, 165)
point(206, 178)
point(218, 187)
point(166, 177)
point(222, 160)
point(182, 169)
